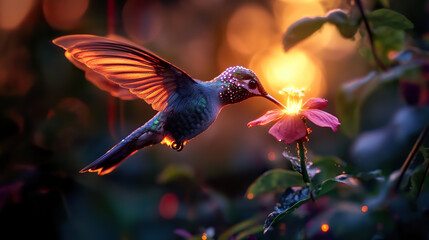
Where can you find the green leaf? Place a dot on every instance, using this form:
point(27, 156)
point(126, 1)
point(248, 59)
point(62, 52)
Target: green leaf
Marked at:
point(342, 21)
point(425, 153)
point(388, 18)
point(238, 228)
point(251, 231)
point(389, 31)
point(301, 29)
point(329, 184)
point(419, 179)
point(349, 101)
point(375, 174)
point(274, 181)
point(348, 110)
point(350, 180)
point(327, 167)
point(326, 186)
point(305, 27)
point(388, 39)
point(290, 200)
point(173, 173)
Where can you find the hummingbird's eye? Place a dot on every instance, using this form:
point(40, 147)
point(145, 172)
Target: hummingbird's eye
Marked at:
point(252, 84)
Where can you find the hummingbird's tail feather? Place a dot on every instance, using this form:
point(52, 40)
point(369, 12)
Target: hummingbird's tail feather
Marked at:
point(110, 160)
point(140, 138)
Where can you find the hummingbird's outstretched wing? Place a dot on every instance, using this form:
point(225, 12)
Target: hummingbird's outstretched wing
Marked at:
point(126, 64)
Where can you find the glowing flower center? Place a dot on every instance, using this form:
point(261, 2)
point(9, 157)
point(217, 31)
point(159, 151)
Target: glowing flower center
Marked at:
point(294, 100)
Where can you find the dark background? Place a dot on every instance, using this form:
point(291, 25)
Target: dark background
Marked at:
point(53, 122)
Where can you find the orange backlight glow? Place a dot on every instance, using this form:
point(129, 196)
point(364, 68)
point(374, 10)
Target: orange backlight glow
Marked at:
point(324, 227)
point(295, 68)
point(167, 141)
point(364, 208)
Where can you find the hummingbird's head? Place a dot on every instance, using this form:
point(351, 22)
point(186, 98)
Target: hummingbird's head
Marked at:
point(239, 83)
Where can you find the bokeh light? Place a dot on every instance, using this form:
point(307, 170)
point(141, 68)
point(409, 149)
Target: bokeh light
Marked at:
point(168, 206)
point(271, 156)
point(287, 12)
point(329, 43)
point(293, 69)
point(249, 29)
point(64, 14)
point(55, 122)
point(13, 13)
point(253, 33)
point(324, 227)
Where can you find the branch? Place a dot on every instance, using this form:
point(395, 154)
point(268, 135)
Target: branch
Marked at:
point(370, 36)
point(411, 157)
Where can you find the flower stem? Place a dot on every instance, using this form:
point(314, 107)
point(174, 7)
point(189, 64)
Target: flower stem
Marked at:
point(303, 160)
point(302, 151)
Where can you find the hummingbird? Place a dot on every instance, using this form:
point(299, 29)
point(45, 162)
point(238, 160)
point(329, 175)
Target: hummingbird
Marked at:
point(186, 106)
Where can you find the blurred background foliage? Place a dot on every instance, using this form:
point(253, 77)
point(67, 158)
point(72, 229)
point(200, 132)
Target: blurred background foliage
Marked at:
point(53, 122)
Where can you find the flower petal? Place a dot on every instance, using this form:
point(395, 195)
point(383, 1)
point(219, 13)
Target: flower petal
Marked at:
point(268, 117)
point(289, 129)
point(315, 103)
point(321, 118)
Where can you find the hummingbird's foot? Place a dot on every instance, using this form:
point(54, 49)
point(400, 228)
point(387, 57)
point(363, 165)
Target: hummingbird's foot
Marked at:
point(177, 146)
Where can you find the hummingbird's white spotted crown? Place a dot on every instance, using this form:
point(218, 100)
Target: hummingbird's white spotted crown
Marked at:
point(238, 84)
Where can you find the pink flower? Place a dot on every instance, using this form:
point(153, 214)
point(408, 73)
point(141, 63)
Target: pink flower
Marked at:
point(290, 125)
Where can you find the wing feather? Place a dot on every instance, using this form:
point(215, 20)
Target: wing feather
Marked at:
point(129, 66)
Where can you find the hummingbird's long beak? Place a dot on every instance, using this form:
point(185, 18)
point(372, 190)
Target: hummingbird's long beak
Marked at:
point(274, 101)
